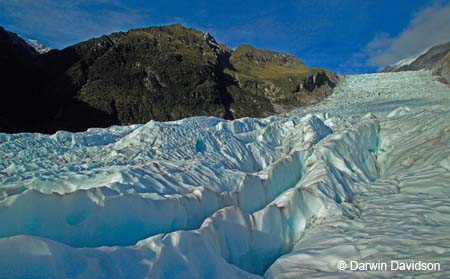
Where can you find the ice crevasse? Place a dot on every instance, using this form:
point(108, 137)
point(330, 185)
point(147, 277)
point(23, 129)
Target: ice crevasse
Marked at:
point(204, 197)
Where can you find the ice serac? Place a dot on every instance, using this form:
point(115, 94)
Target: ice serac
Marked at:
point(402, 215)
point(359, 176)
point(73, 188)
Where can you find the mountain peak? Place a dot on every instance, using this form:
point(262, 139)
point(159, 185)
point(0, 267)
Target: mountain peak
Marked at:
point(11, 42)
point(38, 46)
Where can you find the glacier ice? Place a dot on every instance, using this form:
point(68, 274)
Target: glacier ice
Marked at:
point(362, 175)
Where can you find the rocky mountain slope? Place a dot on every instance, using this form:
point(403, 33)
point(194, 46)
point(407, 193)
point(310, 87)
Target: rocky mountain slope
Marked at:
point(158, 73)
point(436, 58)
point(442, 69)
point(20, 83)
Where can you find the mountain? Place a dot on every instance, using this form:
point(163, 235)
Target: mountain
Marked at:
point(400, 64)
point(436, 58)
point(21, 83)
point(158, 73)
point(283, 79)
point(38, 46)
point(442, 69)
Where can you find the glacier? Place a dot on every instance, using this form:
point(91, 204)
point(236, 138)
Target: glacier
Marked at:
point(363, 175)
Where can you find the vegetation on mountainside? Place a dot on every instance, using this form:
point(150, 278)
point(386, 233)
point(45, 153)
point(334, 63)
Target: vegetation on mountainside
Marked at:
point(161, 73)
point(280, 77)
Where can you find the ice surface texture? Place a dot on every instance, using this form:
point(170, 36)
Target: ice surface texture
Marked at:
point(362, 175)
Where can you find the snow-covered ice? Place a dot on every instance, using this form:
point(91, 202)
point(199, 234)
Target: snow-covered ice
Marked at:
point(361, 176)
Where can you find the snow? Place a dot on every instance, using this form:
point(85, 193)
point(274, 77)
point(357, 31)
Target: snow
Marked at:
point(407, 61)
point(38, 46)
point(361, 176)
point(403, 62)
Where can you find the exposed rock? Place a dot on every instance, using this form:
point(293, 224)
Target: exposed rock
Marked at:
point(158, 73)
point(282, 78)
point(442, 69)
point(429, 59)
point(436, 58)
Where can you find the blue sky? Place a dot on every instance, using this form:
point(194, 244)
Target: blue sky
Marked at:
point(347, 36)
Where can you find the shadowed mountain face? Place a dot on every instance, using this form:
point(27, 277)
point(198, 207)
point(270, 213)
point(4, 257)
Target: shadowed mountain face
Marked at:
point(430, 58)
point(158, 73)
point(436, 58)
point(19, 82)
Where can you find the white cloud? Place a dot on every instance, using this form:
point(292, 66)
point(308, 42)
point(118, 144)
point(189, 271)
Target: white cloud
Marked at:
point(429, 27)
